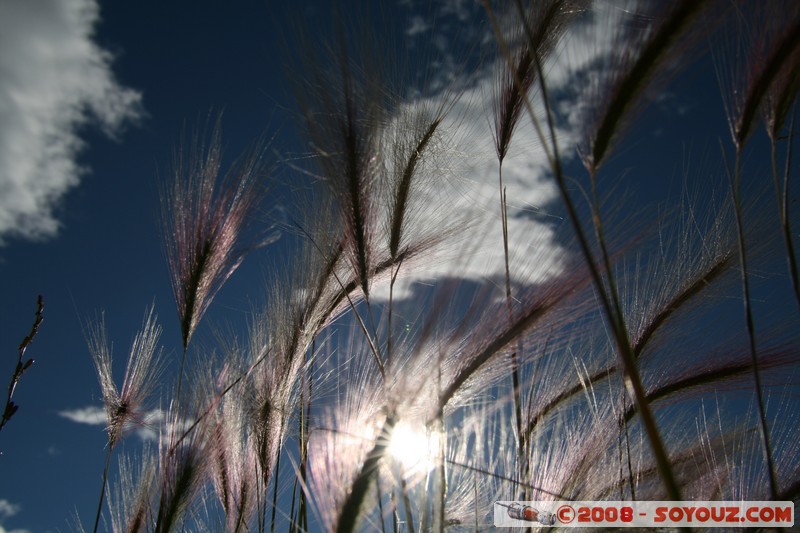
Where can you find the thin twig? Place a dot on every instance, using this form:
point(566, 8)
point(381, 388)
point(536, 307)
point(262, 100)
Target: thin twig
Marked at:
point(21, 367)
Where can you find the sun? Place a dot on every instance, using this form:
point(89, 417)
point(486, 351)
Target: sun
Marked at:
point(414, 447)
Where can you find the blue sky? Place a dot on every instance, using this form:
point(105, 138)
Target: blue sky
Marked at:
point(90, 116)
point(98, 247)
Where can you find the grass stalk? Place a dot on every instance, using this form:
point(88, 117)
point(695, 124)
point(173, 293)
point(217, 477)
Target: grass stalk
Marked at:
point(305, 412)
point(631, 484)
point(782, 195)
point(735, 185)
point(351, 508)
point(533, 488)
point(509, 304)
point(390, 312)
point(395, 514)
point(295, 525)
point(409, 514)
point(106, 465)
point(441, 472)
point(275, 478)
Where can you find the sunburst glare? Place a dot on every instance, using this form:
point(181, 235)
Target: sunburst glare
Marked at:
point(414, 447)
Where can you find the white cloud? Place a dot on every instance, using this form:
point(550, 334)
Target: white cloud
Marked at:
point(153, 423)
point(469, 198)
point(418, 25)
point(472, 192)
point(92, 415)
point(53, 80)
point(147, 428)
point(459, 8)
point(8, 509)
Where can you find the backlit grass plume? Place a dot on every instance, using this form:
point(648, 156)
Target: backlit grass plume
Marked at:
point(206, 213)
point(183, 472)
point(640, 56)
point(131, 507)
point(125, 407)
point(344, 105)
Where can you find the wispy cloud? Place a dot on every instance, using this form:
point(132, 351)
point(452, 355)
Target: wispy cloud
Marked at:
point(7, 510)
point(52, 451)
point(460, 8)
point(147, 427)
point(92, 415)
point(417, 25)
point(55, 79)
